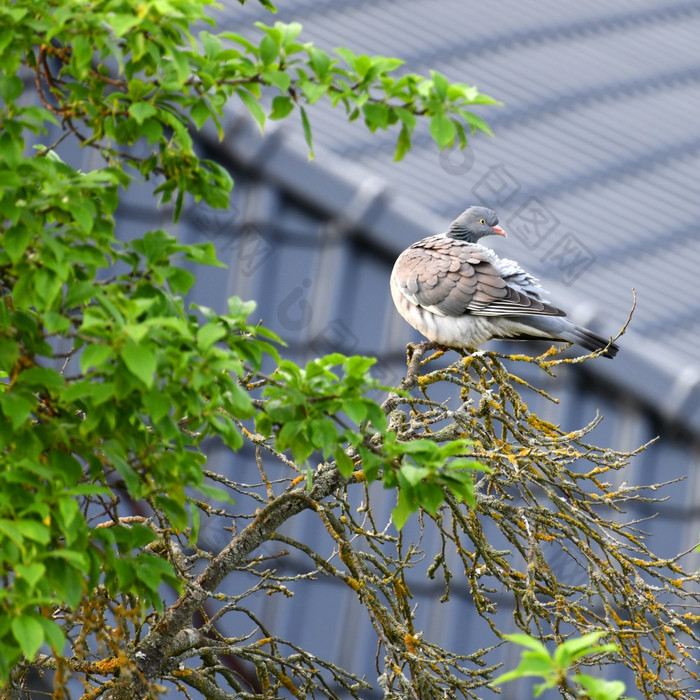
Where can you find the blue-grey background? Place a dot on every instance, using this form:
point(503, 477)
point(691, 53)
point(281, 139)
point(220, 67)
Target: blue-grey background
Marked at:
point(594, 172)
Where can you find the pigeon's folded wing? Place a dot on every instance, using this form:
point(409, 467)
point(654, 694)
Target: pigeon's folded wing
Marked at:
point(453, 278)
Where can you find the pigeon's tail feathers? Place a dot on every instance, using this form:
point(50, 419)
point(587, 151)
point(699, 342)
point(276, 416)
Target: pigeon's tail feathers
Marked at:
point(561, 328)
point(590, 341)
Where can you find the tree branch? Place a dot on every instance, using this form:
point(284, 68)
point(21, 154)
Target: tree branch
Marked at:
point(153, 653)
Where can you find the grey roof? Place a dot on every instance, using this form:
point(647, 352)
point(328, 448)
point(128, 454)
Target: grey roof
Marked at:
point(598, 134)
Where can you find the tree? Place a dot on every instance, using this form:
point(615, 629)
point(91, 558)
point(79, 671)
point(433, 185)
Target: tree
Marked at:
point(112, 384)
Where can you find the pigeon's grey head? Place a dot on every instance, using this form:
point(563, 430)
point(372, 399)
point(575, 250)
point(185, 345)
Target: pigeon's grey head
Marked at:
point(474, 223)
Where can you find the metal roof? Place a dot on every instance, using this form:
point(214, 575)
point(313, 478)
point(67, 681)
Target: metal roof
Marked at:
point(598, 137)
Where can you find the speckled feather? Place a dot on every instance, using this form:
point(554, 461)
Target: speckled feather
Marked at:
point(454, 277)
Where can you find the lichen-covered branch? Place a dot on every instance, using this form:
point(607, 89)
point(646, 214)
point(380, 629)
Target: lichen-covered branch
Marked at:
point(548, 530)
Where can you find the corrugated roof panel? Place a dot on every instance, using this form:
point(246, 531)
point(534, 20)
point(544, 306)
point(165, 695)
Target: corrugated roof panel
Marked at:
point(599, 127)
point(598, 124)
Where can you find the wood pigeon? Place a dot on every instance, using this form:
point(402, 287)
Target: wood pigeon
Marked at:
point(458, 293)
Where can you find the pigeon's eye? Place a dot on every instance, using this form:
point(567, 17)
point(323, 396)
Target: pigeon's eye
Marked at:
point(482, 221)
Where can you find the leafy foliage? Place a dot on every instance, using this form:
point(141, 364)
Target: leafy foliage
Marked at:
point(315, 410)
point(126, 72)
point(555, 668)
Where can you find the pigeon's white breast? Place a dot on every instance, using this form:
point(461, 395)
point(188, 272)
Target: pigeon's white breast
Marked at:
point(455, 331)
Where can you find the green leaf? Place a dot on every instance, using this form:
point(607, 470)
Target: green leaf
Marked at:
point(253, 107)
point(95, 355)
point(10, 150)
point(78, 293)
point(403, 143)
point(307, 132)
point(77, 559)
point(179, 279)
point(346, 54)
point(29, 634)
point(10, 87)
point(442, 130)
point(536, 662)
point(320, 61)
point(278, 78)
point(9, 352)
point(157, 405)
point(269, 49)
point(356, 409)
point(209, 334)
point(402, 512)
point(82, 55)
point(31, 573)
point(376, 115)
point(263, 424)
point(69, 511)
point(599, 689)
point(475, 122)
point(15, 241)
point(55, 322)
point(440, 85)
point(242, 406)
point(153, 570)
point(289, 32)
point(313, 91)
point(53, 634)
point(65, 466)
point(430, 496)
point(412, 475)
point(358, 365)
point(70, 584)
point(141, 111)
point(41, 378)
point(362, 65)
point(140, 361)
point(215, 493)
point(324, 435)
point(530, 665)
point(200, 112)
point(282, 105)
point(15, 407)
point(344, 463)
point(34, 530)
point(121, 23)
point(574, 649)
point(376, 416)
point(211, 44)
point(526, 640)
point(462, 489)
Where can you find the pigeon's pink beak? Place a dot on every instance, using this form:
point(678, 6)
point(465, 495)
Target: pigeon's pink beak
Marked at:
point(498, 230)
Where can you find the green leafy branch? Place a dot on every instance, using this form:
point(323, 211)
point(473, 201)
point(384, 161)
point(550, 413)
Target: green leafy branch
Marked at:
point(556, 668)
point(316, 408)
point(366, 87)
point(128, 72)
